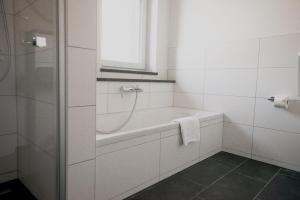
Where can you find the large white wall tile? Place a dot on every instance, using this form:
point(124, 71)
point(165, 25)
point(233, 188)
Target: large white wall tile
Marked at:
point(119, 103)
point(234, 54)
point(8, 153)
point(280, 81)
point(81, 77)
point(8, 114)
point(268, 116)
point(188, 100)
point(158, 100)
point(237, 138)
point(231, 82)
point(82, 23)
point(186, 58)
point(161, 87)
point(81, 181)
point(101, 104)
point(235, 109)
point(81, 134)
point(277, 145)
point(102, 87)
point(187, 80)
point(114, 87)
point(280, 51)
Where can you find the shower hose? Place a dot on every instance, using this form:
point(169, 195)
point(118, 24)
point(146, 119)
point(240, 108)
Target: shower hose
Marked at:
point(7, 67)
point(126, 121)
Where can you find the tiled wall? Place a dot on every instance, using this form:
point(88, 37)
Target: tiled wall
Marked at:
point(235, 68)
point(81, 98)
point(154, 95)
point(36, 77)
point(8, 123)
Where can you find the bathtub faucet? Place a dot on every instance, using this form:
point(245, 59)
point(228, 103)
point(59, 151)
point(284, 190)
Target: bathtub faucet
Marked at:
point(132, 89)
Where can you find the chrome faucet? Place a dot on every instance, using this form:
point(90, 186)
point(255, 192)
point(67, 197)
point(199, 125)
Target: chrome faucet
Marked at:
point(132, 89)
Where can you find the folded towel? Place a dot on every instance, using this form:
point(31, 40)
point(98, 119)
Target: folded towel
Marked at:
point(190, 129)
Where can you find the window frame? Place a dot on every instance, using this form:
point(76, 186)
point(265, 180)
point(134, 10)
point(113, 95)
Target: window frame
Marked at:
point(141, 65)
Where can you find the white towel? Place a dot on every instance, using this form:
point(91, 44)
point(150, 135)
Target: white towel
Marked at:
point(190, 129)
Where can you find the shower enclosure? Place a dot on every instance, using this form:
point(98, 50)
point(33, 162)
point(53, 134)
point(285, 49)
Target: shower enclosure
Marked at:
point(31, 107)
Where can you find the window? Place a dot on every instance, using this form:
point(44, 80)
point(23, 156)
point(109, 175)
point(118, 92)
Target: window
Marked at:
point(123, 33)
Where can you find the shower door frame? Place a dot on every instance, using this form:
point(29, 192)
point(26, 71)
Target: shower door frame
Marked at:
point(61, 100)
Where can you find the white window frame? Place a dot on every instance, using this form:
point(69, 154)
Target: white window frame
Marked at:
point(142, 45)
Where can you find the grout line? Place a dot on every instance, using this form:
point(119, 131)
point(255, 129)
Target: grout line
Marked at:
point(72, 164)
point(210, 185)
point(255, 96)
point(271, 179)
point(83, 48)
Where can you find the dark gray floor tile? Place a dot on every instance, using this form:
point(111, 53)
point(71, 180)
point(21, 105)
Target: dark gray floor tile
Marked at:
point(257, 170)
point(282, 187)
point(233, 187)
point(290, 173)
point(14, 190)
point(206, 172)
point(174, 188)
point(228, 158)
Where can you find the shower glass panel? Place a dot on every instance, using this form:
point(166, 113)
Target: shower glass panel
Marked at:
point(37, 83)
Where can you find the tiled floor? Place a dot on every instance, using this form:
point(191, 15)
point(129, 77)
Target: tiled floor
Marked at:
point(14, 190)
point(226, 176)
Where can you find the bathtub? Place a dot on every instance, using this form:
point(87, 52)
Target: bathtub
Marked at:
point(149, 149)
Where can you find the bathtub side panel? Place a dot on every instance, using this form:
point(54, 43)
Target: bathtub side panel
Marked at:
point(124, 170)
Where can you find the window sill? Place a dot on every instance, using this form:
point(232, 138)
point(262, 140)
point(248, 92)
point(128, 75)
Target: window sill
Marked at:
point(124, 71)
point(135, 80)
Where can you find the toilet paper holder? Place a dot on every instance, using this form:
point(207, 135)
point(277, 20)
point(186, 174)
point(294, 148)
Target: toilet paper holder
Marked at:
point(271, 99)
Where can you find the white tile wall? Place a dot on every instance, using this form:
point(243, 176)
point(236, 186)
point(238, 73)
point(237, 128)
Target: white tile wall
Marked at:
point(235, 109)
point(236, 82)
point(235, 54)
point(82, 23)
point(81, 181)
point(81, 77)
point(277, 81)
point(237, 137)
point(186, 58)
point(81, 134)
point(235, 76)
point(277, 145)
point(188, 100)
point(275, 118)
point(187, 81)
point(154, 95)
point(280, 51)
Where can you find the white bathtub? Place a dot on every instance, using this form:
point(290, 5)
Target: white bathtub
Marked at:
point(149, 149)
point(146, 122)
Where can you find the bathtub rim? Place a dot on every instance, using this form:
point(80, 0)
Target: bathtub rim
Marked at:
point(107, 139)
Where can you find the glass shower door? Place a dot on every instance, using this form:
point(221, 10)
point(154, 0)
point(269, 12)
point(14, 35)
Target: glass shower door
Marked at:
point(37, 72)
